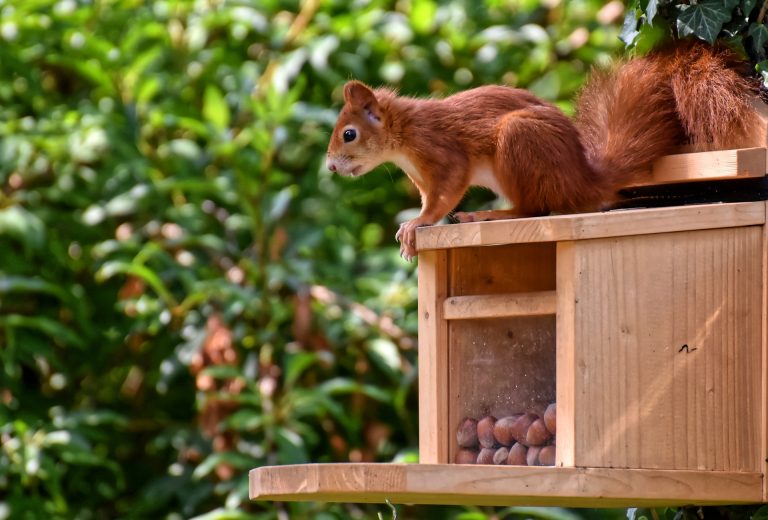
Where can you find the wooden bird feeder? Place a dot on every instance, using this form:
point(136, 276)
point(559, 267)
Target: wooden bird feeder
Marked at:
point(647, 327)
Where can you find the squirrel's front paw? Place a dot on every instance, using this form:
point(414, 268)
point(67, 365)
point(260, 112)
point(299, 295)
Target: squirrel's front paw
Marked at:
point(406, 235)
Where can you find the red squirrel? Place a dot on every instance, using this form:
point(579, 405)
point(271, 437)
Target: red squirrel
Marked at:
point(528, 151)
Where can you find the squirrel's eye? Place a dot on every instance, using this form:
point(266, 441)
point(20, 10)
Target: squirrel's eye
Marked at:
point(349, 135)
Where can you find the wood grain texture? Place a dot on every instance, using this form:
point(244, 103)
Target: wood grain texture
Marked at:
point(708, 166)
point(762, 110)
point(764, 369)
point(590, 225)
point(507, 269)
point(565, 357)
point(433, 358)
point(668, 354)
point(500, 305)
point(501, 485)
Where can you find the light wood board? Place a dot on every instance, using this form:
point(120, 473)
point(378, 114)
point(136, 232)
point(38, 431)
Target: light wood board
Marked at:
point(506, 269)
point(667, 350)
point(433, 358)
point(565, 357)
point(590, 225)
point(500, 305)
point(764, 361)
point(501, 485)
point(708, 166)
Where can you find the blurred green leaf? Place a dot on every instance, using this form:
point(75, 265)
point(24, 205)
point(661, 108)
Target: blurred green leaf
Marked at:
point(23, 284)
point(423, 15)
point(22, 225)
point(760, 514)
point(230, 514)
point(387, 356)
point(296, 365)
point(238, 461)
point(53, 329)
point(215, 109)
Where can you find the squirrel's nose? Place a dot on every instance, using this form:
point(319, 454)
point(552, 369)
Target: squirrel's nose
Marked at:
point(330, 165)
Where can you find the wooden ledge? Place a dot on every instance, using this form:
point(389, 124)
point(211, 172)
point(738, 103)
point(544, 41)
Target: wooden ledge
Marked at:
point(708, 166)
point(453, 484)
point(591, 225)
point(500, 305)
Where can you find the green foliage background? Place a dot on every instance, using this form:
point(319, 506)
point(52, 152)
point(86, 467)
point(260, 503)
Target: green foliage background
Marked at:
point(162, 194)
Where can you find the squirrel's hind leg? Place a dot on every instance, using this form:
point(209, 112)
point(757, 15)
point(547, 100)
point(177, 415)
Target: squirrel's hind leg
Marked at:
point(541, 166)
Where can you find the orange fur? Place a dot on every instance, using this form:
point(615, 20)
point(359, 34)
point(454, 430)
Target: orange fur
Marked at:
point(691, 93)
point(528, 151)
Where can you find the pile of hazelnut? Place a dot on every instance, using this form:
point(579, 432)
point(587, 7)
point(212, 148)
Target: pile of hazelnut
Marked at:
point(523, 439)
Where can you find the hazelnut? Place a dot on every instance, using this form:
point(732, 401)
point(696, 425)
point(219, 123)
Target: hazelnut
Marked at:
point(466, 456)
point(502, 430)
point(485, 431)
point(520, 428)
point(500, 457)
point(537, 434)
point(533, 456)
point(486, 456)
point(547, 456)
point(466, 435)
point(550, 418)
point(517, 455)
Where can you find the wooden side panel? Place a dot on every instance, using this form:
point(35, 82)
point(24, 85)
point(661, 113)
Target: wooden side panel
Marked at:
point(505, 365)
point(764, 354)
point(503, 269)
point(565, 355)
point(668, 351)
point(501, 485)
point(433, 358)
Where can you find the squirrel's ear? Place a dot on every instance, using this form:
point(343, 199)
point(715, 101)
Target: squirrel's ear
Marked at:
point(359, 95)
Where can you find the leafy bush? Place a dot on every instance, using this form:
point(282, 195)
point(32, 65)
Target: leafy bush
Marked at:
point(185, 293)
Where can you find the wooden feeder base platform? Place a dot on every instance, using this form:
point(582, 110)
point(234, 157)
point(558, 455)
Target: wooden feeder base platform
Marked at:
point(458, 484)
point(647, 327)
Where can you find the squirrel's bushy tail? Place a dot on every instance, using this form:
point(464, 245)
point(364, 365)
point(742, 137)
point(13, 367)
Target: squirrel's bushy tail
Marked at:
point(690, 93)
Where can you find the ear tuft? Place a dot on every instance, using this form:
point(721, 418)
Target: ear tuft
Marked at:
point(358, 93)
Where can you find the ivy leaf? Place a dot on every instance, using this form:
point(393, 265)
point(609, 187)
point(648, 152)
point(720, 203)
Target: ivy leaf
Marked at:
point(747, 6)
point(759, 35)
point(730, 5)
point(702, 20)
point(651, 10)
point(629, 30)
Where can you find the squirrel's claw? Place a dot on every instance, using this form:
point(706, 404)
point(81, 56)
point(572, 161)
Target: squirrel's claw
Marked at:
point(406, 235)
